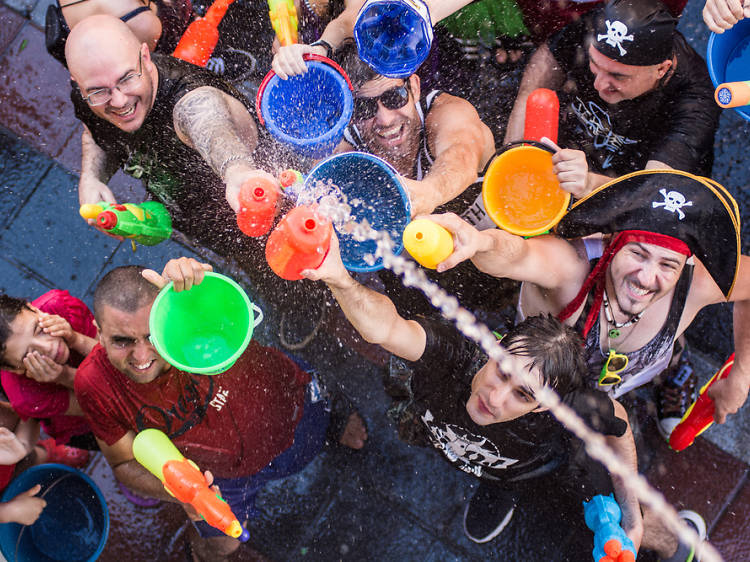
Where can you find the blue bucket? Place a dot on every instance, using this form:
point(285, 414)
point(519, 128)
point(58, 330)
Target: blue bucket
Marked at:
point(310, 111)
point(374, 192)
point(728, 58)
point(393, 36)
point(73, 527)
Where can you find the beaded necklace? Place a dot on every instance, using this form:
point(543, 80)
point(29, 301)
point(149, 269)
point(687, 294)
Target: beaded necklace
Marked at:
point(614, 332)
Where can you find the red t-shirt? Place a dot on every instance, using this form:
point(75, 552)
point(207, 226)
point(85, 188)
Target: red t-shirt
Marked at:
point(232, 424)
point(48, 402)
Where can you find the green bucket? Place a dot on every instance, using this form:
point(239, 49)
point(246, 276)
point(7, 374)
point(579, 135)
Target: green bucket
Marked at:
point(205, 329)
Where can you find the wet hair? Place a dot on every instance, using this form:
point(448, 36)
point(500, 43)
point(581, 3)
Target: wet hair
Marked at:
point(358, 70)
point(556, 349)
point(125, 289)
point(10, 308)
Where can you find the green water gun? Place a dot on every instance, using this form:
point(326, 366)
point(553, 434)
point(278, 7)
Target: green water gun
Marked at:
point(148, 223)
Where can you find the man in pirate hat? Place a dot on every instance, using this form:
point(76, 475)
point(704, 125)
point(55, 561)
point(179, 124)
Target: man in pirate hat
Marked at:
point(658, 247)
point(633, 95)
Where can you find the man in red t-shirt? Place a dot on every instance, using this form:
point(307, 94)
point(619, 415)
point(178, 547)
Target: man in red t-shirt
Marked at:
point(262, 419)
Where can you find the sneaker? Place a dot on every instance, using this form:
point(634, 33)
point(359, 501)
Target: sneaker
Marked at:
point(675, 395)
point(686, 553)
point(62, 454)
point(488, 512)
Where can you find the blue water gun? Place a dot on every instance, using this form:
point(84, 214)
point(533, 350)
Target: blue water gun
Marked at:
point(611, 544)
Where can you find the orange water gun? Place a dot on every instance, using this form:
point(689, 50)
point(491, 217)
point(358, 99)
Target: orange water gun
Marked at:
point(700, 414)
point(733, 94)
point(183, 480)
point(283, 16)
point(199, 40)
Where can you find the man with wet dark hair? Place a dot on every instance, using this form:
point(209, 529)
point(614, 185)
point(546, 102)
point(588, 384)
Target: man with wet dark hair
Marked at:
point(262, 419)
point(485, 421)
point(633, 95)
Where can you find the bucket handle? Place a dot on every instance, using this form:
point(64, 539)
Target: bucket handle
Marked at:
point(258, 317)
point(515, 144)
point(307, 57)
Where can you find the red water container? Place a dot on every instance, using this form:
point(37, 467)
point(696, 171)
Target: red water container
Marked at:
point(258, 198)
point(198, 42)
point(542, 115)
point(300, 241)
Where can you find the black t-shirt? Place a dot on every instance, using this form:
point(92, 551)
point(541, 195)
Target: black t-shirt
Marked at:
point(530, 446)
point(172, 172)
point(674, 124)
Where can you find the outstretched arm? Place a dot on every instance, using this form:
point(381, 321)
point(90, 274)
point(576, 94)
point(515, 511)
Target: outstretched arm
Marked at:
point(223, 132)
point(624, 448)
point(373, 315)
point(542, 71)
point(461, 143)
point(96, 170)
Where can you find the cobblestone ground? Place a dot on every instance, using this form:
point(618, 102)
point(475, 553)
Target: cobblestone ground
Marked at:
point(389, 501)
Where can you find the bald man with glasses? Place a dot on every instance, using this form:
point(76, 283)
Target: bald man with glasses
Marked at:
point(190, 136)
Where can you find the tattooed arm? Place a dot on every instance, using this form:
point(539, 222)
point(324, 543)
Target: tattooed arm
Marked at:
point(222, 131)
point(96, 170)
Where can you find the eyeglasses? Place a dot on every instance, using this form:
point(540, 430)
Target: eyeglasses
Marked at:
point(126, 85)
point(366, 108)
point(615, 364)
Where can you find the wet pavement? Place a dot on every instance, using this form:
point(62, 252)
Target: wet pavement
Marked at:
point(389, 501)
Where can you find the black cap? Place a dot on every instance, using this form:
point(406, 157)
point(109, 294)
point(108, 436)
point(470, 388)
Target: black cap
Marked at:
point(634, 32)
point(696, 210)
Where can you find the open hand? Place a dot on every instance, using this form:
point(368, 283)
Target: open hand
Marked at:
point(42, 368)
point(183, 272)
point(57, 327)
point(12, 449)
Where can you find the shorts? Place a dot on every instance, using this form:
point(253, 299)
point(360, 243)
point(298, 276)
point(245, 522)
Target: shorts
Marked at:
point(309, 437)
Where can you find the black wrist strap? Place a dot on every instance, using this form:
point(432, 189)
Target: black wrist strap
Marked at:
point(326, 44)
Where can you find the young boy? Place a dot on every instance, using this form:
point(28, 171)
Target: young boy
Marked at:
point(41, 345)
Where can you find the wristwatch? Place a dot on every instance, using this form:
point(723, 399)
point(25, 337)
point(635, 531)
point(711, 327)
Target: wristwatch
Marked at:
point(326, 44)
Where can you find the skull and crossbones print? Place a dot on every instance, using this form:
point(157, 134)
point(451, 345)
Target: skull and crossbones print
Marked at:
point(617, 32)
point(673, 201)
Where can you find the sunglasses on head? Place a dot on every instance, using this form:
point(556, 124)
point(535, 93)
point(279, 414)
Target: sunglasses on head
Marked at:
point(395, 98)
point(615, 364)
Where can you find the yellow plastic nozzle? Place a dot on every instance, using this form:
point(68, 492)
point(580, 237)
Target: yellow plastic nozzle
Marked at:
point(427, 242)
point(153, 449)
point(90, 210)
point(234, 530)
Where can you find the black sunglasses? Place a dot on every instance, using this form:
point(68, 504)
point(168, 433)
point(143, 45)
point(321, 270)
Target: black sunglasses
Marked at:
point(366, 108)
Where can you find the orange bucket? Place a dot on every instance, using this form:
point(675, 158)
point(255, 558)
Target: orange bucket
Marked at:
point(520, 191)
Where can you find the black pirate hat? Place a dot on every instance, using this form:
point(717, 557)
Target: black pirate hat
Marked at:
point(634, 32)
point(696, 210)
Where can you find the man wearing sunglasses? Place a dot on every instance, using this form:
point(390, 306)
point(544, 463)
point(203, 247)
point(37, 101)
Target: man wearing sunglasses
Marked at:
point(667, 245)
point(190, 136)
point(488, 423)
point(436, 142)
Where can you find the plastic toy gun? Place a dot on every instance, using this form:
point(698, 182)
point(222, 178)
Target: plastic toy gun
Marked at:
point(542, 115)
point(733, 94)
point(198, 42)
point(611, 544)
point(300, 241)
point(148, 223)
point(700, 415)
point(283, 16)
point(427, 242)
point(184, 481)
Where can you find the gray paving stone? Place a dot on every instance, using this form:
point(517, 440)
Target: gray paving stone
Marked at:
point(23, 6)
point(18, 282)
point(39, 11)
point(21, 168)
point(49, 237)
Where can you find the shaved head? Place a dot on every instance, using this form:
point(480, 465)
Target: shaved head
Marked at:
point(98, 38)
point(104, 55)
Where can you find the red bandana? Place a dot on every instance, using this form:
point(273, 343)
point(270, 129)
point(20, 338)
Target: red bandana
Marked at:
point(595, 279)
